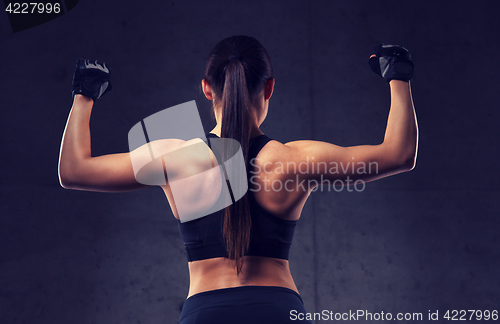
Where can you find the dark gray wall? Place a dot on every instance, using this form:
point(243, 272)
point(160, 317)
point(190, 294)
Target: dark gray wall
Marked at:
point(420, 241)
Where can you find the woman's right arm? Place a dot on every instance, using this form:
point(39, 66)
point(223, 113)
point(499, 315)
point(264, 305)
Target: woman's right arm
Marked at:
point(397, 153)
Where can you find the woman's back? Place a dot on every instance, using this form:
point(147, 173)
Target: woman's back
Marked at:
point(274, 217)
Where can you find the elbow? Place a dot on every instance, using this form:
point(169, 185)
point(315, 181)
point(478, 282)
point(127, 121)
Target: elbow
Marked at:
point(401, 160)
point(63, 174)
point(67, 177)
point(66, 184)
point(65, 181)
point(403, 157)
point(411, 158)
point(409, 164)
point(408, 161)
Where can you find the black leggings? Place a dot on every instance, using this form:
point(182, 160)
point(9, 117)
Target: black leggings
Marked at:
point(243, 305)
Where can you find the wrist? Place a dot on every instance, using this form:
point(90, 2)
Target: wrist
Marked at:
point(399, 84)
point(82, 103)
point(81, 99)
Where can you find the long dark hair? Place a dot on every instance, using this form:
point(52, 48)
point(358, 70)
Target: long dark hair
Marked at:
point(237, 69)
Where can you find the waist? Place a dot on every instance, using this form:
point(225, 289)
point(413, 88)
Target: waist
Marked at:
point(248, 304)
point(228, 292)
point(220, 273)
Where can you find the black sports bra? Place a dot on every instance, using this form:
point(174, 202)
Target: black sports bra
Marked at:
point(270, 236)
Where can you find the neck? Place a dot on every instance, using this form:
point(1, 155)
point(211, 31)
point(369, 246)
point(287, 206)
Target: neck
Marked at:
point(254, 132)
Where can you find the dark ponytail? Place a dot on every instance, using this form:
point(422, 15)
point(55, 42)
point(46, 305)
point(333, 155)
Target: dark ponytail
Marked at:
point(237, 70)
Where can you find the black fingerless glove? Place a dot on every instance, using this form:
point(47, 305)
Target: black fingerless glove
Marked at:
point(91, 79)
point(392, 62)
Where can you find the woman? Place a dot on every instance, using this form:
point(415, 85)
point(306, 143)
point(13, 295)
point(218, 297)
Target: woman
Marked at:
point(238, 257)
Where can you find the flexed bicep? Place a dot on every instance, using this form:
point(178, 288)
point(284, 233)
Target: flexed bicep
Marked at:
point(323, 161)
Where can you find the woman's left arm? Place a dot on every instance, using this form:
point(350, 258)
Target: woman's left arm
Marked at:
point(78, 169)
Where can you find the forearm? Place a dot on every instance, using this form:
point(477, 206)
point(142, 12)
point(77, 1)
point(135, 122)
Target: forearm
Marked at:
point(75, 145)
point(401, 136)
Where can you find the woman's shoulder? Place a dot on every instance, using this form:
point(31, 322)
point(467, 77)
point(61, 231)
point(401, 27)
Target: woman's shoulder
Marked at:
point(273, 178)
point(275, 156)
point(271, 152)
point(179, 158)
point(276, 151)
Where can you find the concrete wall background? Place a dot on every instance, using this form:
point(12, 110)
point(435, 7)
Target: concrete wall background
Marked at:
point(420, 241)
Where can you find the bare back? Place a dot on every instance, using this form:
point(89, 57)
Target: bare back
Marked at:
point(218, 273)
